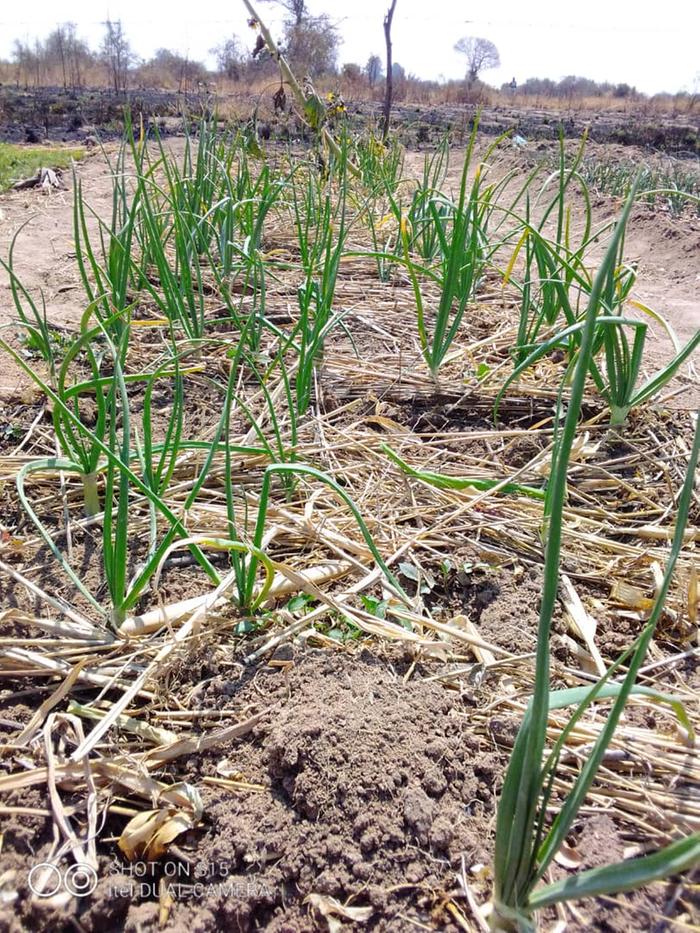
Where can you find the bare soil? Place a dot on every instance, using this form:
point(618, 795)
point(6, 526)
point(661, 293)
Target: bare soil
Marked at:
point(63, 114)
point(368, 787)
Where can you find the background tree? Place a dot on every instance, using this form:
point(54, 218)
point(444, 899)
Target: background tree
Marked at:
point(230, 58)
point(312, 45)
point(481, 54)
point(24, 60)
point(170, 69)
point(80, 58)
point(352, 73)
point(62, 58)
point(116, 55)
point(399, 80)
point(56, 50)
point(311, 42)
point(66, 55)
point(374, 71)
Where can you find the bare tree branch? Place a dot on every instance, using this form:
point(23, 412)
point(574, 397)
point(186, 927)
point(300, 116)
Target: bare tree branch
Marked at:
point(295, 8)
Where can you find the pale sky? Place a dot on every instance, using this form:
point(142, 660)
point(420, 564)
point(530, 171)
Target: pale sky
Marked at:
point(608, 40)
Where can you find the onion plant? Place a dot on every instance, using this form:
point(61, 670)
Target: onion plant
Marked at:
point(39, 334)
point(554, 284)
point(109, 271)
point(460, 239)
point(525, 845)
point(461, 263)
point(380, 163)
point(82, 450)
point(382, 252)
point(552, 266)
point(199, 218)
point(214, 203)
point(623, 357)
point(427, 200)
point(240, 265)
point(321, 225)
point(620, 339)
point(246, 552)
point(197, 186)
point(127, 467)
point(447, 481)
point(172, 274)
point(241, 214)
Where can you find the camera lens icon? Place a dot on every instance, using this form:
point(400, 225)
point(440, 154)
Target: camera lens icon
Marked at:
point(46, 879)
point(80, 880)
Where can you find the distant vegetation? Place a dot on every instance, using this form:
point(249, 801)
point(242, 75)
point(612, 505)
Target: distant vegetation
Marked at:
point(311, 43)
point(675, 184)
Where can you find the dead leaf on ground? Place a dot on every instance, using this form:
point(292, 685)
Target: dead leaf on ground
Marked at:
point(331, 909)
point(148, 835)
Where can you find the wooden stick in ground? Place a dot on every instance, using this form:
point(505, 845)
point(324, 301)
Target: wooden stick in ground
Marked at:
point(388, 97)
